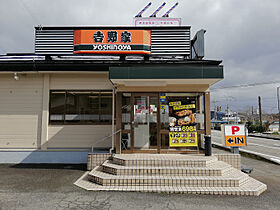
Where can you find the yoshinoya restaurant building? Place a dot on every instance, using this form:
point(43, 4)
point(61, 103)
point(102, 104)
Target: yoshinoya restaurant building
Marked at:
point(105, 88)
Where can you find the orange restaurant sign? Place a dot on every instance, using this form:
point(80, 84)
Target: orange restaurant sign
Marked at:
point(112, 42)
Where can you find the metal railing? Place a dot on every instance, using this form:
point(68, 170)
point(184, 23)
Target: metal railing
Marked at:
point(100, 140)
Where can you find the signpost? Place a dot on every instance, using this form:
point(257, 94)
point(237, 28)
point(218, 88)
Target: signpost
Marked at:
point(234, 136)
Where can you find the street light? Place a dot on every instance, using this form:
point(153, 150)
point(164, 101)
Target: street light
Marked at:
point(278, 108)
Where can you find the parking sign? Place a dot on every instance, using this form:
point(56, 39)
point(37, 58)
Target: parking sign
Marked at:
point(234, 135)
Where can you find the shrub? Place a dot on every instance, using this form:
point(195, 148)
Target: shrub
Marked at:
point(258, 128)
point(275, 133)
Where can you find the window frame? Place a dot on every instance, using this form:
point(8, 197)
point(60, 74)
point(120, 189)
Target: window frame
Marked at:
point(64, 122)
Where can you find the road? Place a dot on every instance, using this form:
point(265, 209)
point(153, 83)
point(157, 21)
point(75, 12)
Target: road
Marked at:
point(267, 148)
point(39, 187)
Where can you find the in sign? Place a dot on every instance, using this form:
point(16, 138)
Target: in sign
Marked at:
point(236, 140)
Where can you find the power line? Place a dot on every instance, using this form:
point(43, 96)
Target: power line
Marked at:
point(28, 11)
point(223, 99)
point(246, 85)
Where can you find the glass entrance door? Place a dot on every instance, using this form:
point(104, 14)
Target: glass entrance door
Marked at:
point(145, 122)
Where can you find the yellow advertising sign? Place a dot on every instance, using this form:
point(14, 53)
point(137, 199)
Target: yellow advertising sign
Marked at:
point(182, 139)
point(188, 128)
point(189, 106)
point(182, 123)
point(183, 129)
point(175, 103)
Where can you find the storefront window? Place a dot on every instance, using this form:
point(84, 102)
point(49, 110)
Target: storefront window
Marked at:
point(126, 116)
point(105, 106)
point(126, 108)
point(200, 112)
point(188, 98)
point(57, 106)
point(179, 123)
point(181, 115)
point(81, 107)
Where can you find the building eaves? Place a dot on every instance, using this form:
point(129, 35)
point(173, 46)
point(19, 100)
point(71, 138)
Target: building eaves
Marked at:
point(72, 63)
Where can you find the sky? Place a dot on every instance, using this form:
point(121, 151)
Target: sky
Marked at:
point(243, 34)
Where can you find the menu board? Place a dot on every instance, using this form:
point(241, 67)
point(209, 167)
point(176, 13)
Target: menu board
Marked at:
point(182, 123)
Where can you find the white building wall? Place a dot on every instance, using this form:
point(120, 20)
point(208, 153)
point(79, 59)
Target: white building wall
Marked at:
point(79, 136)
point(20, 111)
point(21, 106)
point(82, 81)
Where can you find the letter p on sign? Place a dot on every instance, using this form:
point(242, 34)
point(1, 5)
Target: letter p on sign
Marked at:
point(234, 129)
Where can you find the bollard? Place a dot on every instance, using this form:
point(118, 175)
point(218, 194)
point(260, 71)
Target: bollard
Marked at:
point(208, 145)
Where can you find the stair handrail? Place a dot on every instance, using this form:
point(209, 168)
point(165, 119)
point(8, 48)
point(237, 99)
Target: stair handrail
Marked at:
point(103, 138)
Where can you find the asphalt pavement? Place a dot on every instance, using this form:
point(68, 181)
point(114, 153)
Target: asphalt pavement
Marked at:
point(263, 147)
point(40, 187)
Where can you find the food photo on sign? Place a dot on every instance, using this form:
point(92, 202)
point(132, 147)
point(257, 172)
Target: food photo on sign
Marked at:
point(182, 123)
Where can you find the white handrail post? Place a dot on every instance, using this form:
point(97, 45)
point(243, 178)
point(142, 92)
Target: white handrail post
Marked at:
point(113, 120)
point(120, 142)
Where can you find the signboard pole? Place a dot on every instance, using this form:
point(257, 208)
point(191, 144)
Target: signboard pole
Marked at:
point(208, 145)
point(234, 150)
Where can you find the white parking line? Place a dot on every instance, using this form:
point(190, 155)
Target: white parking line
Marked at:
point(261, 145)
point(261, 139)
point(271, 157)
point(276, 160)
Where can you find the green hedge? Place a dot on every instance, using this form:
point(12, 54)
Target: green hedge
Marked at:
point(257, 128)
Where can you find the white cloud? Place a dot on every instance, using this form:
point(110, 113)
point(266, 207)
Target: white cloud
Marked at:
point(244, 34)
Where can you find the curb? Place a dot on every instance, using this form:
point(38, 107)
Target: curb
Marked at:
point(268, 158)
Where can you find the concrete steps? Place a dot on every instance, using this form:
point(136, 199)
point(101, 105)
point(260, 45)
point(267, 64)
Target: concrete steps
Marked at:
point(170, 173)
point(251, 187)
point(154, 160)
point(233, 179)
point(217, 168)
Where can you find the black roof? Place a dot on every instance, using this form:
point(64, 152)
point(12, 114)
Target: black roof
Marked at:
point(32, 62)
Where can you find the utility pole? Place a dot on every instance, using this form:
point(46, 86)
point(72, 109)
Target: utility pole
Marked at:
point(215, 110)
point(227, 115)
point(260, 110)
point(278, 109)
point(253, 120)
